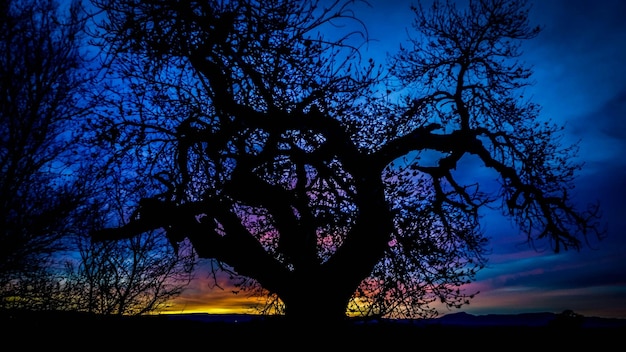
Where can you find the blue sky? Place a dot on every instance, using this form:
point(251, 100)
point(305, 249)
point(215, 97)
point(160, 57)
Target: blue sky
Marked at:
point(580, 81)
point(579, 61)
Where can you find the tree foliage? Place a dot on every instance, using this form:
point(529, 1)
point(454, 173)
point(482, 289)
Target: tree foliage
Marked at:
point(40, 85)
point(53, 182)
point(261, 137)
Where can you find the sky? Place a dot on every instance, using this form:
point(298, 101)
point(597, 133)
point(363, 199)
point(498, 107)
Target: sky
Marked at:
point(579, 62)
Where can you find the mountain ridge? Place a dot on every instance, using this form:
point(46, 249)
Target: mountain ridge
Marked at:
point(460, 319)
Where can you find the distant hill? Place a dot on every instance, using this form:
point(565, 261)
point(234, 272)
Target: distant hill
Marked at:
point(462, 319)
point(80, 331)
point(526, 319)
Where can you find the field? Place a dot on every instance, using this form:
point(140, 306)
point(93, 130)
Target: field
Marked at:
point(73, 331)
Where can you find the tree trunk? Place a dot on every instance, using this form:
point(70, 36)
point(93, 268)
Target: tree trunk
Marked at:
point(316, 301)
point(316, 308)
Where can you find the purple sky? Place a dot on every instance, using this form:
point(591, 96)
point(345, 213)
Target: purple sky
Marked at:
point(580, 80)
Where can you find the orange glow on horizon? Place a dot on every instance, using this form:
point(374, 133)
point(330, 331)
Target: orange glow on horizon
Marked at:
point(199, 297)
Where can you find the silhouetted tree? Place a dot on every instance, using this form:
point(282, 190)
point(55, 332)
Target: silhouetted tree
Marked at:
point(263, 141)
point(52, 178)
point(39, 185)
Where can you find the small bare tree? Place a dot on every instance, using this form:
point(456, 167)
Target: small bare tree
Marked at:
point(133, 277)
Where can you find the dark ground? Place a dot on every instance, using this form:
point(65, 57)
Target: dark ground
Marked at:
point(77, 331)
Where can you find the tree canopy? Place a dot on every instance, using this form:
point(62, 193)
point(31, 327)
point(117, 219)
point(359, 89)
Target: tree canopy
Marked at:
point(53, 181)
point(260, 137)
point(40, 87)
